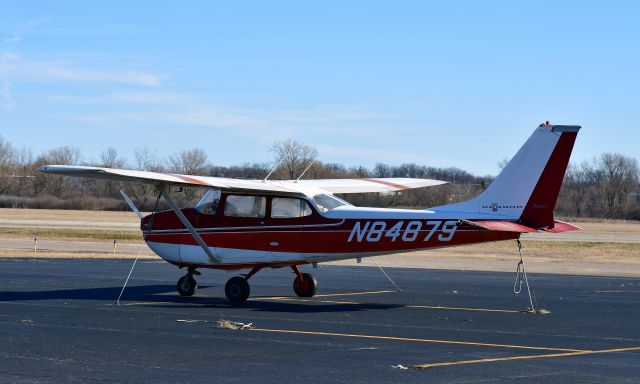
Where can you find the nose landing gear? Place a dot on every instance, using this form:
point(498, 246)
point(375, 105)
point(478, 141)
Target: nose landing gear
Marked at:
point(187, 285)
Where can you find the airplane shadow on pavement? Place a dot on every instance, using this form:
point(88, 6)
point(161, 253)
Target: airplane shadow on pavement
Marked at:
point(164, 296)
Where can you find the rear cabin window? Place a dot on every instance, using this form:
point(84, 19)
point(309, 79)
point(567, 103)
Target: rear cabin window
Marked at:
point(286, 208)
point(245, 206)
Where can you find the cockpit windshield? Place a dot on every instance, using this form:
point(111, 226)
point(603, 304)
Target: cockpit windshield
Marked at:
point(326, 203)
point(208, 204)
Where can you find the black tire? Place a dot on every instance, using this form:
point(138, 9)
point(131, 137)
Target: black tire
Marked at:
point(187, 285)
point(237, 289)
point(305, 287)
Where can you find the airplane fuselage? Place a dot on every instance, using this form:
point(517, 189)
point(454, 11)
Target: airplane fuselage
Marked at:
point(268, 238)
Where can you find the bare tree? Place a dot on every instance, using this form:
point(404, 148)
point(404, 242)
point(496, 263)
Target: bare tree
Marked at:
point(572, 194)
point(54, 184)
point(6, 153)
point(6, 162)
point(25, 172)
point(608, 186)
point(144, 194)
point(109, 158)
point(147, 160)
point(620, 179)
point(189, 162)
point(382, 170)
point(610, 179)
point(295, 156)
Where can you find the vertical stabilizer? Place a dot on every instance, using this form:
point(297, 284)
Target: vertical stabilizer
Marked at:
point(538, 213)
point(527, 188)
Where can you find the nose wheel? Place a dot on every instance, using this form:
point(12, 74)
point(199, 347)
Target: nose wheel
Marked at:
point(187, 285)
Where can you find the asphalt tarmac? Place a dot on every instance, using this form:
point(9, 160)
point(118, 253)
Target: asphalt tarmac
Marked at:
point(58, 325)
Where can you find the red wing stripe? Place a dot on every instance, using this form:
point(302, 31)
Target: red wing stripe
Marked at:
point(389, 184)
point(189, 180)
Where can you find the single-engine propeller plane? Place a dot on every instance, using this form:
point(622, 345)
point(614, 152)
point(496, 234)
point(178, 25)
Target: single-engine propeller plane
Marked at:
point(256, 224)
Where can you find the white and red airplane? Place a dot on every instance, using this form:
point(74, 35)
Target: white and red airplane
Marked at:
point(255, 224)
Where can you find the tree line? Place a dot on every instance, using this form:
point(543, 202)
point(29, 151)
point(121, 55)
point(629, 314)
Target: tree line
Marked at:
point(605, 187)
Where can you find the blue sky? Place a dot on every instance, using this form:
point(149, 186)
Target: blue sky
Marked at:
point(436, 83)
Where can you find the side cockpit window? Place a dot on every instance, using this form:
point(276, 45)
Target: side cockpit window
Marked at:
point(208, 204)
point(245, 206)
point(287, 207)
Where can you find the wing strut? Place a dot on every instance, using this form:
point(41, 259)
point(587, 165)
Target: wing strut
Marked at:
point(131, 204)
point(190, 227)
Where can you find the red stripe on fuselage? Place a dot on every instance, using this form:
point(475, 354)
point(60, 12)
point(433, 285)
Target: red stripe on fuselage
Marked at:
point(334, 239)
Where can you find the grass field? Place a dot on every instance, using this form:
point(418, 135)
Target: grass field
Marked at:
point(64, 233)
point(67, 215)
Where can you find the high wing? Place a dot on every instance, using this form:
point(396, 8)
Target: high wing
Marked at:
point(287, 186)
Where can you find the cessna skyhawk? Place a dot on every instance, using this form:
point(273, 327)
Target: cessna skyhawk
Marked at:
point(255, 224)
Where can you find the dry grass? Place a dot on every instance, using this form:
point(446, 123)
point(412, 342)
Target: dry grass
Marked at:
point(608, 226)
point(545, 250)
point(68, 215)
point(61, 233)
point(47, 254)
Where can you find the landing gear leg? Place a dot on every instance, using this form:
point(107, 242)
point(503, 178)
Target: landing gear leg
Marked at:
point(237, 288)
point(187, 285)
point(305, 284)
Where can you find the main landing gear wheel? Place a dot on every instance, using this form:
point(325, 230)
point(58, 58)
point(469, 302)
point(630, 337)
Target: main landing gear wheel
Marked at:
point(237, 289)
point(187, 285)
point(305, 285)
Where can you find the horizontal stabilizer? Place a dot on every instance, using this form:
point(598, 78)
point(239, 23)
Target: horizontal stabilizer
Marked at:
point(561, 226)
point(511, 226)
point(502, 226)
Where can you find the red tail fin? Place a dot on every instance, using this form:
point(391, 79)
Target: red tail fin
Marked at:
point(538, 213)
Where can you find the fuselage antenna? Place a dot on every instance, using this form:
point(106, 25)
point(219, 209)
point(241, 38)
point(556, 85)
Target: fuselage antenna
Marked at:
point(274, 168)
point(306, 169)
